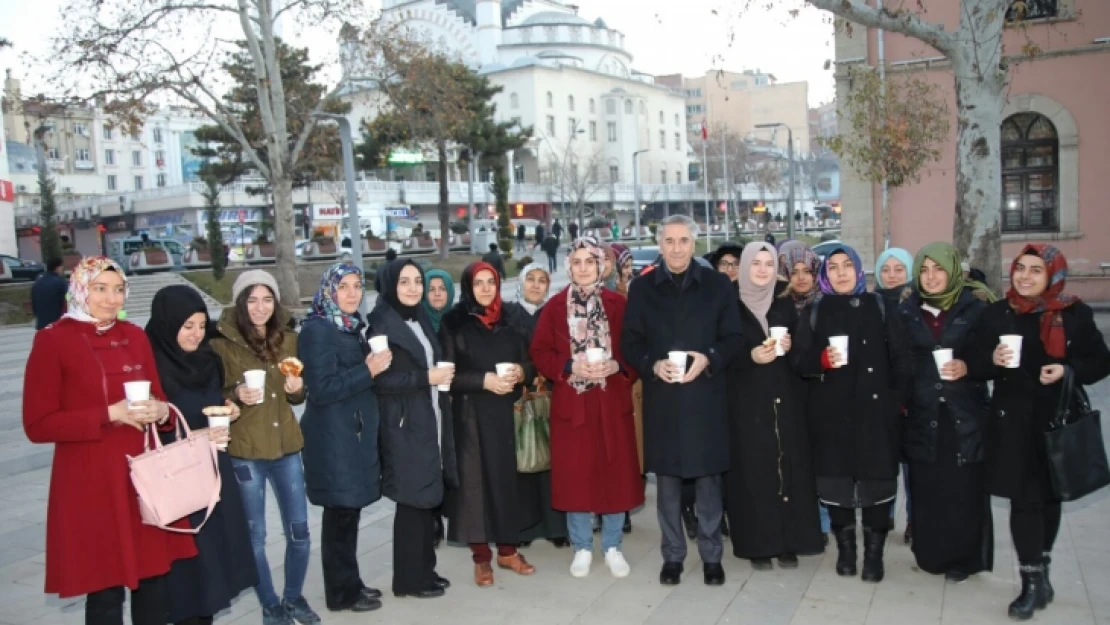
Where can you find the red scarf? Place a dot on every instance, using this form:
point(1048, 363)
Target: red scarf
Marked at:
point(1050, 302)
point(488, 315)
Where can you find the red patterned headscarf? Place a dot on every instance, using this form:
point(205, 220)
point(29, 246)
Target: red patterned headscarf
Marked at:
point(1049, 303)
point(586, 320)
point(488, 315)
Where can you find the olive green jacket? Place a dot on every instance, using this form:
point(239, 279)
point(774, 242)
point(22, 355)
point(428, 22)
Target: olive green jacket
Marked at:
point(266, 431)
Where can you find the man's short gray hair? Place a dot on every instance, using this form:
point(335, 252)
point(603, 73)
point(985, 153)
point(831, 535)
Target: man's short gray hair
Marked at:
point(680, 219)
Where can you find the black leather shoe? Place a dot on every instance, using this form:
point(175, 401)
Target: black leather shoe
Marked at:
point(788, 561)
point(373, 593)
point(714, 574)
point(427, 593)
point(442, 582)
point(560, 543)
point(762, 564)
point(671, 575)
point(365, 604)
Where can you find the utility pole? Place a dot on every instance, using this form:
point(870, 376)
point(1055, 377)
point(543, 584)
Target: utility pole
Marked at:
point(349, 174)
point(705, 182)
point(790, 158)
point(728, 181)
point(636, 190)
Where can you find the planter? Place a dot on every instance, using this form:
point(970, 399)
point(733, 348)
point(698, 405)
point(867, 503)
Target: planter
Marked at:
point(320, 250)
point(374, 247)
point(261, 253)
point(197, 258)
point(149, 261)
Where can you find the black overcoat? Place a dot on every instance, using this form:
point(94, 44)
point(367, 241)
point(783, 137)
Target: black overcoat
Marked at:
point(418, 455)
point(685, 425)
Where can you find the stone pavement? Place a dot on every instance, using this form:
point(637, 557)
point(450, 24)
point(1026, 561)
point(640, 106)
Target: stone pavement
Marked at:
point(811, 594)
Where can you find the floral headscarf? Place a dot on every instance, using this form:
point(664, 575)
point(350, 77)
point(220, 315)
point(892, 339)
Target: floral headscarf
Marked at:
point(530, 307)
point(586, 320)
point(324, 304)
point(825, 284)
point(1049, 303)
point(791, 254)
point(621, 255)
point(84, 273)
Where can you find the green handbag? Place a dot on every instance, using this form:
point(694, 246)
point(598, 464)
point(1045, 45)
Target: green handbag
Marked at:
point(532, 419)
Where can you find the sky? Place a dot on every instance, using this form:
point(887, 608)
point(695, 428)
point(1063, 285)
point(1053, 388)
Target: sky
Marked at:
point(664, 36)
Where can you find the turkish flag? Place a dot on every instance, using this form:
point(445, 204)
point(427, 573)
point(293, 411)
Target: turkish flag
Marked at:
point(704, 132)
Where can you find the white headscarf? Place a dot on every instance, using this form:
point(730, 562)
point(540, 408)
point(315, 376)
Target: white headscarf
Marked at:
point(531, 308)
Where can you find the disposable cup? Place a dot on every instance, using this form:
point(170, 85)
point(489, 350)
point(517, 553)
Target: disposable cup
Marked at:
point(942, 357)
point(595, 354)
point(219, 422)
point(777, 332)
point(1012, 341)
point(679, 360)
point(841, 345)
point(379, 344)
point(504, 369)
point(138, 390)
point(256, 380)
point(445, 365)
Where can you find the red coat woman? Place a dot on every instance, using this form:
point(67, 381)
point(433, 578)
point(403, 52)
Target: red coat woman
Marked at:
point(595, 466)
point(73, 396)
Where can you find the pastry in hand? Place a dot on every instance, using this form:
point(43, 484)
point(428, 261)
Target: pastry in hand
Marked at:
point(291, 366)
point(218, 411)
point(769, 341)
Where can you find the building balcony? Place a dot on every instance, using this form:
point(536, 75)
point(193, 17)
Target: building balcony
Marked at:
point(84, 165)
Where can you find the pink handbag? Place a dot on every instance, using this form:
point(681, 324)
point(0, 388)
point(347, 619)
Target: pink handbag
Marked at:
point(176, 480)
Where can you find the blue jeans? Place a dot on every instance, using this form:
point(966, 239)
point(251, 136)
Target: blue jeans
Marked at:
point(581, 529)
point(286, 476)
point(826, 524)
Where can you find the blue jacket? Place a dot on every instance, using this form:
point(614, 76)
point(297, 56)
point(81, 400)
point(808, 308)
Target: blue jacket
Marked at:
point(342, 468)
point(48, 299)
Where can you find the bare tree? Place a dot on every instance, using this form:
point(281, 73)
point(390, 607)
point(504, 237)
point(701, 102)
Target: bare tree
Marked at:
point(127, 51)
point(579, 179)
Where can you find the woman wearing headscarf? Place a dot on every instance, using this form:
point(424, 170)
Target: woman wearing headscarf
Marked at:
point(192, 377)
point(945, 420)
point(799, 265)
point(494, 503)
point(594, 465)
point(622, 269)
point(418, 442)
point(341, 463)
point(96, 542)
point(770, 490)
point(854, 405)
point(1058, 331)
point(439, 295)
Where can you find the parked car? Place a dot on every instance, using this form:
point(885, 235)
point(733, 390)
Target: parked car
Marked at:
point(643, 257)
point(19, 269)
point(120, 250)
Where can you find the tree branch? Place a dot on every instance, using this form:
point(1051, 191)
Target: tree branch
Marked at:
point(899, 20)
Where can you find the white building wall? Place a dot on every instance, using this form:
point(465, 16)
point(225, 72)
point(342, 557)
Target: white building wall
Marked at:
point(8, 243)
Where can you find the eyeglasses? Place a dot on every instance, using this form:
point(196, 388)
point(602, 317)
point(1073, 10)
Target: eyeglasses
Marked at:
point(724, 264)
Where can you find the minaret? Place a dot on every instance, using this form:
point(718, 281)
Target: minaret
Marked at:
point(488, 15)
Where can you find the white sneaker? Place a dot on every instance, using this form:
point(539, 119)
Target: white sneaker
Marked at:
point(582, 561)
point(618, 566)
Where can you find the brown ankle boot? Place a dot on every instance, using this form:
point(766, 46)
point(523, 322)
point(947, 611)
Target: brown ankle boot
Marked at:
point(483, 574)
point(516, 563)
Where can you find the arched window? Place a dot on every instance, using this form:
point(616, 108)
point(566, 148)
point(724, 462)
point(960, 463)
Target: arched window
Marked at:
point(570, 102)
point(514, 101)
point(550, 100)
point(628, 107)
point(1030, 169)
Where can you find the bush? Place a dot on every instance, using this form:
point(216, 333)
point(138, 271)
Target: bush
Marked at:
point(199, 243)
point(523, 262)
point(460, 227)
point(506, 246)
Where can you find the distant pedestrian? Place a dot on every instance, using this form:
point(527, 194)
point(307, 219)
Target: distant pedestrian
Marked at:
point(769, 238)
point(551, 248)
point(48, 294)
point(539, 236)
point(493, 257)
point(521, 231)
point(573, 230)
point(616, 230)
point(557, 230)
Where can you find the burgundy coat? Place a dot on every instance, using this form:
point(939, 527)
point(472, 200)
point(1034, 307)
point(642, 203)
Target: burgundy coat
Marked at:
point(595, 466)
point(95, 538)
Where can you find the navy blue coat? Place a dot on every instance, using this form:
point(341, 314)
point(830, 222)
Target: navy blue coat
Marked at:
point(342, 468)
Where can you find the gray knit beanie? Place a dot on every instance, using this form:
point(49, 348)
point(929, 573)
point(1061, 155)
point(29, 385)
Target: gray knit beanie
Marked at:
point(251, 278)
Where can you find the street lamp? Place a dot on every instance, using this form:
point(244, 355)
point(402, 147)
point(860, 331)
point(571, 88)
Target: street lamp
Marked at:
point(349, 175)
point(790, 157)
point(574, 132)
point(636, 189)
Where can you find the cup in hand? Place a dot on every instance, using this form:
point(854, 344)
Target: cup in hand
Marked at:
point(1013, 343)
point(679, 360)
point(220, 422)
point(445, 365)
point(255, 379)
point(942, 357)
point(777, 332)
point(379, 344)
point(841, 345)
point(139, 390)
point(504, 369)
point(595, 354)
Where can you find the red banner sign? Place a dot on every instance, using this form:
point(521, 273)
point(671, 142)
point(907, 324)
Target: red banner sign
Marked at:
point(7, 191)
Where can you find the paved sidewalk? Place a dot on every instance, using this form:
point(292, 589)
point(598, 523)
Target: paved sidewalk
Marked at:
point(812, 594)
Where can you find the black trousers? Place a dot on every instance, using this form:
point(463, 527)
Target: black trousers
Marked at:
point(414, 554)
point(149, 604)
point(338, 552)
point(197, 620)
point(1034, 527)
point(876, 518)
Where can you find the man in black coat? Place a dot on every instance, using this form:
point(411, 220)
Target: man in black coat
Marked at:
point(573, 230)
point(48, 295)
point(551, 248)
point(539, 236)
point(682, 306)
point(493, 257)
point(557, 230)
point(521, 232)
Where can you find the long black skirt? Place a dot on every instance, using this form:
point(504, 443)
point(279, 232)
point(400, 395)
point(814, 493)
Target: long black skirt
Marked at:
point(553, 523)
point(952, 527)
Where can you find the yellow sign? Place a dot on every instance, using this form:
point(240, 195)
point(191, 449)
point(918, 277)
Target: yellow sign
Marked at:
point(759, 208)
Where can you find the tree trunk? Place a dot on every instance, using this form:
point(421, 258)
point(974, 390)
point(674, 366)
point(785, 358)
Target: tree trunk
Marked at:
point(444, 198)
point(283, 241)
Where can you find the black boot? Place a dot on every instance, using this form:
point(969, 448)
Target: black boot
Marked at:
point(873, 543)
point(1032, 595)
point(1049, 591)
point(690, 520)
point(846, 545)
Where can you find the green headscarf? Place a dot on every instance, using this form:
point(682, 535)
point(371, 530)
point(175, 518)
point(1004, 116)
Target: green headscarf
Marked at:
point(948, 257)
point(437, 315)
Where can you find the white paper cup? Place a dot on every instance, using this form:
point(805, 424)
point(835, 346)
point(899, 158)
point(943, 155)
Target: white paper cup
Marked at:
point(139, 390)
point(841, 345)
point(942, 357)
point(1012, 341)
point(444, 365)
point(595, 354)
point(679, 360)
point(255, 379)
point(379, 344)
point(504, 369)
point(219, 422)
point(777, 332)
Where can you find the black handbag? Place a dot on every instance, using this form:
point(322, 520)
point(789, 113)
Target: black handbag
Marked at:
point(1076, 454)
